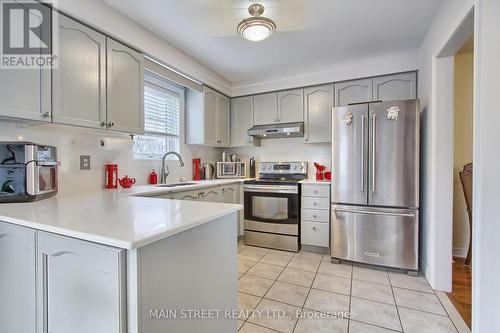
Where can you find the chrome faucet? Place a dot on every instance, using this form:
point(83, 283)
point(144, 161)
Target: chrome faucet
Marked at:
point(164, 173)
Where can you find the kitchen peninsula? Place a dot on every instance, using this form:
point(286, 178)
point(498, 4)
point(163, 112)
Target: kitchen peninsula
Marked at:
point(106, 262)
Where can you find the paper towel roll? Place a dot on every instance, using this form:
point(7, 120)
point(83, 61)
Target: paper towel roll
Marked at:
point(115, 143)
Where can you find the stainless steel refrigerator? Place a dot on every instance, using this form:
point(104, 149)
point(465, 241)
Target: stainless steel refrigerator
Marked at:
point(375, 183)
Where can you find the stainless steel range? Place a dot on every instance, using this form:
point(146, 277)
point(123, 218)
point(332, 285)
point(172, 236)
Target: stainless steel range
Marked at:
point(272, 206)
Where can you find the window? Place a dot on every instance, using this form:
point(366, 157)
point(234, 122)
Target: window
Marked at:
point(163, 103)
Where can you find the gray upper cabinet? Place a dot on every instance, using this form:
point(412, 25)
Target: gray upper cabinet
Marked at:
point(17, 268)
point(355, 91)
point(79, 89)
point(395, 87)
point(125, 88)
point(223, 117)
point(26, 94)
point(82, 286)
point(318, 103)
point(207, 118)
point(241, 121)
point(291, 106)
point(265, 109)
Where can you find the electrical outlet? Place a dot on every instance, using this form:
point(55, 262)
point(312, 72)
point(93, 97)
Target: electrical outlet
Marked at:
point(84, 162)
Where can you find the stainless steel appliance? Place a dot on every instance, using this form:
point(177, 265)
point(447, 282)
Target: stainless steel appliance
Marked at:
point(272, 206)
point(375, 183)
point(28, 171)
point(288, 130)
point(230, 170)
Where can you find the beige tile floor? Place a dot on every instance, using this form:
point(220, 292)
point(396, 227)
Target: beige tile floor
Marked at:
point(376, 300)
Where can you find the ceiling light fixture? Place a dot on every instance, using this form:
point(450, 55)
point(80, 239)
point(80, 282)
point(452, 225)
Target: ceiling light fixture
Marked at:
point(257, 27)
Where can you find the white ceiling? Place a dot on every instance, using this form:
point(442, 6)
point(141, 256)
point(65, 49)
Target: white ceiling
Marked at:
point(312, 35)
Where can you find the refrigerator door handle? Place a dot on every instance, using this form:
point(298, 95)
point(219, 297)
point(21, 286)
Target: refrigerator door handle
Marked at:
point(367, 212)
point(374, 149)
point(362, 180)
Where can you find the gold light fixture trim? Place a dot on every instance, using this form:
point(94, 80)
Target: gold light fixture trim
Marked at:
point(257, 27)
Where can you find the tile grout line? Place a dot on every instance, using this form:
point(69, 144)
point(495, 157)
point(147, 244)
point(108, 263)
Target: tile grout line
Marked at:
point(350, 299)
point(395, 303)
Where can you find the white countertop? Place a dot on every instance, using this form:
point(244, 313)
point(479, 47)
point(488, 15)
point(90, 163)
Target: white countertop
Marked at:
point(315, 182)
point(118, 218)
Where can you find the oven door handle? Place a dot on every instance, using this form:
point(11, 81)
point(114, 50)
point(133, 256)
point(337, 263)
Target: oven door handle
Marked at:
point(271, 189)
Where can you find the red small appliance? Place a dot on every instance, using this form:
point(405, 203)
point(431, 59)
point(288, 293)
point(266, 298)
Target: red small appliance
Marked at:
point(196, 168)
point(126, 182)
point(111, 176)
point(320, 169)
point(153, 178)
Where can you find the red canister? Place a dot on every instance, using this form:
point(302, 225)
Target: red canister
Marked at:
point(153, 178)
point(111, 173)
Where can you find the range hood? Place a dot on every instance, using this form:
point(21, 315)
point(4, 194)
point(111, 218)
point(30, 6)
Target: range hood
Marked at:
point(289, 130)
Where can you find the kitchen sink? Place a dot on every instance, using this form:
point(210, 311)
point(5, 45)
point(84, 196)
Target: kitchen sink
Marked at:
point(175, 185)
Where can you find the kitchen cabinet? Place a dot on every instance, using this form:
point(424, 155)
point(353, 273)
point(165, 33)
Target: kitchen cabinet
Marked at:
point(291, 106)
point(26, 94)
point(241, 121)
point(395, 87)
point(125, 88)
point(355, 91)
point(265, 109)
point(186, 195)
point(315, 215)
point(17, 268)
point(318, 104)
point(229, 194)
point(79, 89)
point(82, 286)
point(207, 118)
point(209, 195)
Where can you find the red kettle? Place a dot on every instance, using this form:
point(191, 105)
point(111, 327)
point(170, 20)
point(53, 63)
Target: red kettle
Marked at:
point(126, 182)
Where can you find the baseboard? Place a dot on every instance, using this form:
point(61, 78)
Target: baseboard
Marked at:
point(460, 252)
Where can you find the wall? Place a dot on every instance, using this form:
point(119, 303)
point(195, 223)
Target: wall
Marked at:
point(73, 142)
point(294, 149)
point(434, 237)
point(486, 233)
point(102, 16)
point(462, 154)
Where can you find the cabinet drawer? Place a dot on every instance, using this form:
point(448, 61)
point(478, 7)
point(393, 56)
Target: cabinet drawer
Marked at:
point(314, 233)
point(322, 191)
point(316, 215)
point(315, 203)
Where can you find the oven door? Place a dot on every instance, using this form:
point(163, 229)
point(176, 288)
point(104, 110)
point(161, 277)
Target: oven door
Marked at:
point(272, 208)
point(41, 178)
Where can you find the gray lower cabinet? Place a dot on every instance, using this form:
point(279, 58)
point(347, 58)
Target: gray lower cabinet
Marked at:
point(315, 216)
point(125, 88)
point(395, 87)
point(355, 91)
point(229, 194)
point(318, 103)
point(265, 109)
point(187, 195)
point(209, 194)
point(241, 121)
point(25, 94)
point(79, 89)
point(81, 285)
point(17, 268)
point(291, 106)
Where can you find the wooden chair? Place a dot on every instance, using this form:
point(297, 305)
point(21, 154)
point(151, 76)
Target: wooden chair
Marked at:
point(466, 179)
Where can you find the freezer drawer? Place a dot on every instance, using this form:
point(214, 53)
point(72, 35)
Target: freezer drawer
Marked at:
point(385, 237)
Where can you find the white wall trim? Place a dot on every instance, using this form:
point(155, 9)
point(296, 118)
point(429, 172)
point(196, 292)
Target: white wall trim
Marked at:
point(460, 252)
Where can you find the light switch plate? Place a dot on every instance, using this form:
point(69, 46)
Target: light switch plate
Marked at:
point(84, 162)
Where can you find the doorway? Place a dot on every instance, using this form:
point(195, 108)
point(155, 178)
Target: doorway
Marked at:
point(463, 104)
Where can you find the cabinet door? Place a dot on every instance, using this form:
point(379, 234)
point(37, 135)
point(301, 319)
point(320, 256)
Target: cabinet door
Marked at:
point(209, 195)
point(17, 276)
point(356, 91)
point(395, 87)
point(210, 115)
point(229, 194)
point(186, 195)
point(82, 286)
point(125, 88)
point(265, 109)
point(241, 121)
point(223, 110)
point(79, 86)
point(318, 103)
point(291, 106)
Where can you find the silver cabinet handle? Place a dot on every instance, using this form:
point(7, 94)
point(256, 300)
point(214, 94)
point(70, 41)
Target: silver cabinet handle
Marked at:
point(47, 114)
point(374, 149)
point(362, 173)
point(2, 235)
point(188, 196)
point(103, 123)
point(314, 204)
point(111, 124)
point(204, 195)
point(314, 228)
point(45, 291)
point(315, 191)
point(314, 216)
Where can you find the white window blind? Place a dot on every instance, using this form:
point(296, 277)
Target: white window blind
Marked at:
point(162, 107)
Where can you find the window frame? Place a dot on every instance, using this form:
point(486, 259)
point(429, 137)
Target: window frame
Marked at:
point(154, 80)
